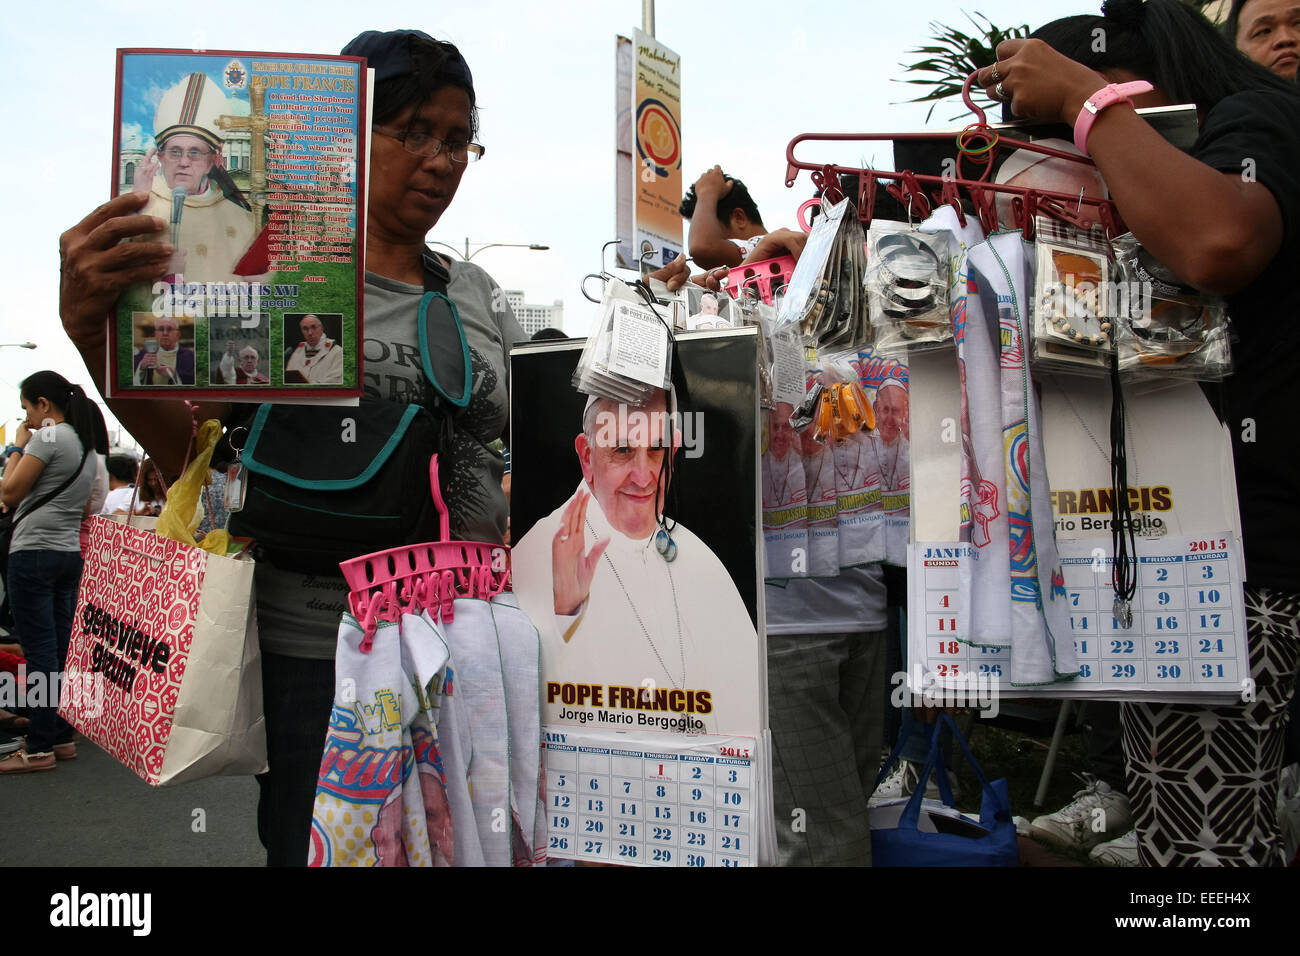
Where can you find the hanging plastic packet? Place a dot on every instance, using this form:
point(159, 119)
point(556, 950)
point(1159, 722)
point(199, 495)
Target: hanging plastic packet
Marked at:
point(1167, 329)
point(789, 377)
point(884, 379)
point(859, 511)
point(817, 442)
point(1073, 319)
point(748, 310)
point(824, 295)
point(785, 500)
point(907, 287)
point(708, 310)
point(674, 305)
point(809, 288)
point(848, 322)
point(628, 354)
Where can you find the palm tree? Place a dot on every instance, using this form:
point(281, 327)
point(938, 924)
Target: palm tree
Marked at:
point(953, 56)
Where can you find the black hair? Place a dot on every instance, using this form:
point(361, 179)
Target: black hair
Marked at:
point(71, 400)
point(430, 59)
point(121, 467)
point(542, 335)
point(737, 198)
point(1234, 19)
point(1233, 23)
point(1165, 42)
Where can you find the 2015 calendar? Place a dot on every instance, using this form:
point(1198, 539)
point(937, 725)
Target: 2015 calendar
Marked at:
point(1187, 638)
point(652, 799)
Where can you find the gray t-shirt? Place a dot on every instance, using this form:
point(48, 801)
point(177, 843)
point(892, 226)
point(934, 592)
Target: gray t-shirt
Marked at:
point(55, 525)
point(298, 614)
point(852, 602)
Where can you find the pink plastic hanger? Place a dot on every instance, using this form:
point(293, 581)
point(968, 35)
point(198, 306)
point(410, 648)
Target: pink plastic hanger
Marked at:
point(424, 577)
point(905, 185)
point(764, 275)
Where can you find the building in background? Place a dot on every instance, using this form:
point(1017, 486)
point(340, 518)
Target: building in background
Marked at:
point(534, 317)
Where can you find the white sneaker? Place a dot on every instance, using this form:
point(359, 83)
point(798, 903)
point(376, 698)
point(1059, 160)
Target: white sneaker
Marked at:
point(1121, 851)
point(1096, 813)
point(900, 783)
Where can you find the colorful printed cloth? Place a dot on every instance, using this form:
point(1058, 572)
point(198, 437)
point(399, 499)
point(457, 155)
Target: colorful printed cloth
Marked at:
point(1042, 645)
point(381, 796)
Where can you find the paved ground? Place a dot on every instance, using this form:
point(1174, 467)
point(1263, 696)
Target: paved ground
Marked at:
point(92, 811)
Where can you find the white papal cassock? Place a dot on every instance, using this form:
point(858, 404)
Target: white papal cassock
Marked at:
point(682, 624)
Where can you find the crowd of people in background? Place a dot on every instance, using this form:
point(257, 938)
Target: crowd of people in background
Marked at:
point(57, 474)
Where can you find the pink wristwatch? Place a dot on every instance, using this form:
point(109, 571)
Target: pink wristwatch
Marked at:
point(1104, 97)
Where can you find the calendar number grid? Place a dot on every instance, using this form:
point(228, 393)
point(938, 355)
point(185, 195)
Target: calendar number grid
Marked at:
point(617, 804)
point(1188, 621)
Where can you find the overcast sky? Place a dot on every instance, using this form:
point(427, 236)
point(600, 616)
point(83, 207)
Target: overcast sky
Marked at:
point(754, 75)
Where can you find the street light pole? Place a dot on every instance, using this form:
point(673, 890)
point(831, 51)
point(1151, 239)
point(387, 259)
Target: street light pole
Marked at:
point(17, 345)
point(467, 255)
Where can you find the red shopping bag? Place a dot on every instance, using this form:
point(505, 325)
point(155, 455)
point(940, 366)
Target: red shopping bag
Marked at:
point(163, 669)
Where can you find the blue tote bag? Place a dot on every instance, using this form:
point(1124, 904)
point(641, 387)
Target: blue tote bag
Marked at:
point(905, 844)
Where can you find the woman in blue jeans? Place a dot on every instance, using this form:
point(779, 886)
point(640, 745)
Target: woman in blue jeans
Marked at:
point(49, 472)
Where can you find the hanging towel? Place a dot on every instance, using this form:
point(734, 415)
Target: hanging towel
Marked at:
point(521, 655)
point(480, 692)
point(981, 590)
point(381, 795)
point(1042, 646)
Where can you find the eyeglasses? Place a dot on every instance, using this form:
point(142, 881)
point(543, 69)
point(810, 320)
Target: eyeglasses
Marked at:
point(422, 144)
point(193, 154)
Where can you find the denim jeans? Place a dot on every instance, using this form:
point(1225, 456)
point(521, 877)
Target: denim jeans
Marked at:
point(43, 592)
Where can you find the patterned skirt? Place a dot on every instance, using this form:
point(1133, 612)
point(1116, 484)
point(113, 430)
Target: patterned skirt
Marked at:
point(1203, 781)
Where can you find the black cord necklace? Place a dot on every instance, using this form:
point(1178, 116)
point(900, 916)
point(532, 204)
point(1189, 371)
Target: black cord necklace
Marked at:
point(664, 542)
point(1123, 543)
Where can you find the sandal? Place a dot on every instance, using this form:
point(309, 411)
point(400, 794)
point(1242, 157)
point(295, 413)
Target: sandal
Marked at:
point(23, 762)
point(66, 751)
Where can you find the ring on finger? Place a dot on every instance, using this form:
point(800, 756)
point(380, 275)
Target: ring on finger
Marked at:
point(996, 75)
point(564, 537)
point(1000, 92)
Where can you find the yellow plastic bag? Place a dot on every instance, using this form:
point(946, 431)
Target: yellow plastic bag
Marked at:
point(183, 497)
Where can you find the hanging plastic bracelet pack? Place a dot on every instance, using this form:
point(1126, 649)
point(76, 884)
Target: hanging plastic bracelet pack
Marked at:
point(1167, 329)
point(907, 287)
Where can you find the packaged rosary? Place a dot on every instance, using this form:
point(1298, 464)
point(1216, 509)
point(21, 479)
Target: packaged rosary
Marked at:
point(1168, 330)
point(907, 287)
point(825, 294)
point(1074, 299)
